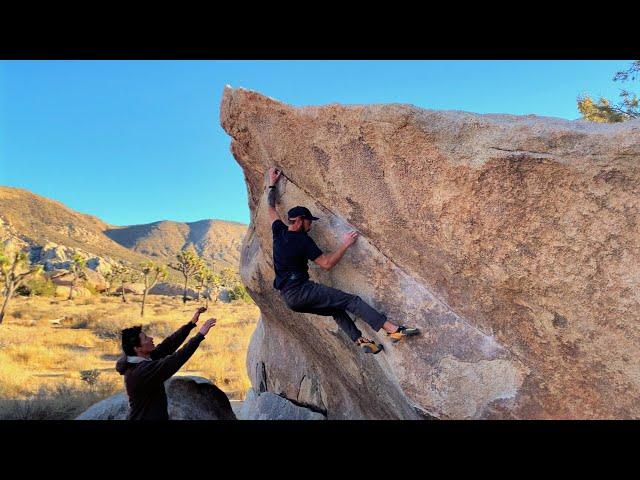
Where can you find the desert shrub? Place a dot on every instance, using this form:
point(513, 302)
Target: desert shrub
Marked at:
point(161, 329)
point(92, 300)
point(239, 292)
point(42, 287)
point(82, 320)
point(13, 376)
point(90, 377)
point(162, 310)
point(23, 291)
point(62, 402)
point(34, 355)
point(79, 321)
point(108, 328)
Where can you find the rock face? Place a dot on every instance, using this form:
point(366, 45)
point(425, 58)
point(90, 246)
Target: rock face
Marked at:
point(268, 406)
point(190, 398)
point(513, 242)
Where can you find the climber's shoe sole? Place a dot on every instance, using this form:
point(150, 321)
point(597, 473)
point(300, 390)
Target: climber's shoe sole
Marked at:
point(403, 332)
point(371, 347)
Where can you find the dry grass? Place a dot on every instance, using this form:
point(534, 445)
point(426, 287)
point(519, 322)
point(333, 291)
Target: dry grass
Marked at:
point(46, 343)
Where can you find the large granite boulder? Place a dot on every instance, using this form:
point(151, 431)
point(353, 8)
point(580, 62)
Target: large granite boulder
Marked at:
point(513, 242)
point(190, 398)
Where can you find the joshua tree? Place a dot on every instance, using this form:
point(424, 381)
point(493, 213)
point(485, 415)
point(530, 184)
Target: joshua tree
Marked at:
point(212, 282)
point(123, 273)
point(77, 268)
point(14, 269)
point(151, 273)
point(207, 279)
point(111, 278)
point(188, 265)
point(200, 277)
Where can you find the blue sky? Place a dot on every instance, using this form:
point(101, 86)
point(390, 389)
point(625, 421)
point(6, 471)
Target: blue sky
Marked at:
point(140, 141)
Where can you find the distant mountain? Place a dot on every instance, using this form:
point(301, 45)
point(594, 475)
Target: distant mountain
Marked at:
point(54, 231)
point(216, 241)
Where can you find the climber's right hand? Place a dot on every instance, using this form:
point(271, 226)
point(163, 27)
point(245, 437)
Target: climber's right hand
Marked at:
point(349, 238)
point(274, 175)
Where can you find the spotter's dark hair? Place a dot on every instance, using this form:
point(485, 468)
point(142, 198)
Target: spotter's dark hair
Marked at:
point(131, 339)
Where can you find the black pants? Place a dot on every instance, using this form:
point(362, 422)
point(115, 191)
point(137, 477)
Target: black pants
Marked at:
point(311, 297)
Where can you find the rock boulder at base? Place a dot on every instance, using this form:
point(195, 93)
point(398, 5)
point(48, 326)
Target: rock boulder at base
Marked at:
point(513, 242)
point(268, 406)
point(115, 407)
point(190, 398)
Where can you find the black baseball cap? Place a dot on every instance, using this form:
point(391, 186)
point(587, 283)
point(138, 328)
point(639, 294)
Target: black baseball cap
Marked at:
point(301, 212)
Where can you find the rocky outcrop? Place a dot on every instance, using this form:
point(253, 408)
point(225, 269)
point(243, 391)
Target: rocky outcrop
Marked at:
point(61, 277)
point(134, 288)
point(53, 256)
point(171, 289)
point(513, 242)
point(190, 398)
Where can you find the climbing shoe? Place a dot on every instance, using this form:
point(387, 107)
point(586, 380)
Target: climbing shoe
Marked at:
point(369, 346)
point(402, 332)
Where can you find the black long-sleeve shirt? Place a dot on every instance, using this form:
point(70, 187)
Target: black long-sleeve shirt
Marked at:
point(144, 381)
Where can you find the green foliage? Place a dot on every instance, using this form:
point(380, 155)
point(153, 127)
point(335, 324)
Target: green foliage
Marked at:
point(122, 272)
point(600, 111)
point(78, 264)
point(14, 271)
point(77, 267)
point(40, 286)
point(205, 277)
point(188, 263)
point(229, 278)
point(152, 273)
point(239, 292)
point(15, 267)
point(604, 111)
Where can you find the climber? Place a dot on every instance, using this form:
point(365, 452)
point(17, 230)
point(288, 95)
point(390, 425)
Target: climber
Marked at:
point(146, 367)
point(292, 247)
